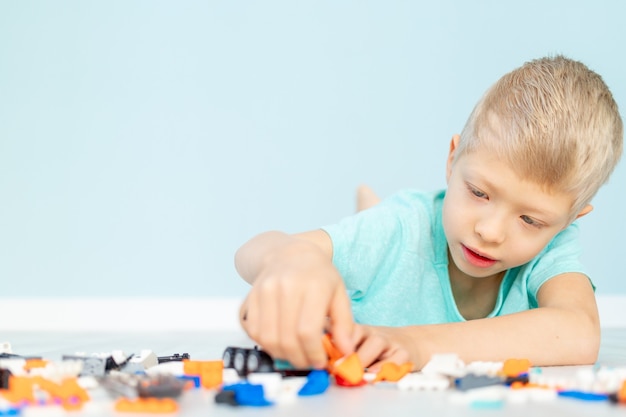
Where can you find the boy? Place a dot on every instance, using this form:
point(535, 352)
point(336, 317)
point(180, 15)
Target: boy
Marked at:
point(487, 268)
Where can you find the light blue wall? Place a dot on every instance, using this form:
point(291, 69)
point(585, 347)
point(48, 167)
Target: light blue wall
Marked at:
point(142, 142)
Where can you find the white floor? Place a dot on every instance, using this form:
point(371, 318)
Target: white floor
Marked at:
point(375, 401)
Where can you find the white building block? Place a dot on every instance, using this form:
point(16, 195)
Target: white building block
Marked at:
point(445, 364)
point(422, 381)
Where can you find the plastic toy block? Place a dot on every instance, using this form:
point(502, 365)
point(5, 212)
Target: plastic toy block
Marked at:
point(146, 405)
point(34, 363)
point(167, 368)
point(331, 350)
point(52, 388)
point(519, 393)
point(619, 397)
point(271, 382)
point(621, 394)
point(393, 372)
point(515, 367)
point(472, 381)
point(608, 379)
point(445, 364)
point(520, 379)
point(230, 376)
point(193, 379)
point(426, 382)
point(5, 374)
point(20, 389)
point(349, 369)
point(176, 357)
point(160, 386)
point(119, 384)
point(10, 411)
point(339, 381)
point(58, 371)
point(290, 388)
point(211, 374)
point(92, 365)
point(317, 382)
point(16, 366)
point(72, 404)
point(226, 397)
point(138, 363)
point(484, 368)
point(71, 389)
point(585, 396)
point(191, 367)
point(248, 394)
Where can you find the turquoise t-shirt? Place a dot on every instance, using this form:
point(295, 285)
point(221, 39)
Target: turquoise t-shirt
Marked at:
point(394, 261)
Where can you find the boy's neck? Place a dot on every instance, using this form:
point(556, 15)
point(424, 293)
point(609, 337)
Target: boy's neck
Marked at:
point(475, 298)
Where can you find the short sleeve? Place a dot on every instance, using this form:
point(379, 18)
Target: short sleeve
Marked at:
point(366, 244)
point(561, 255)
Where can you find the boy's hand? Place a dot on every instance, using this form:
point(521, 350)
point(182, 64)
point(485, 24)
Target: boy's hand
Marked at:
point(377, 344)
point(296, 295)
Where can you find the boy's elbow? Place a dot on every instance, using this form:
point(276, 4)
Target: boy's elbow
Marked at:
point(588, 351)
point(587, 346)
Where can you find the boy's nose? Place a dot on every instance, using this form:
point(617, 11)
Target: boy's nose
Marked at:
point(491, 228)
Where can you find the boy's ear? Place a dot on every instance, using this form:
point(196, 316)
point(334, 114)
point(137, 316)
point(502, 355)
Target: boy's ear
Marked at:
point(586, 210)
point(454, 143)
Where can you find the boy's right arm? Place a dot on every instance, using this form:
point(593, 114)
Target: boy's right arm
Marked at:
point(296, 294)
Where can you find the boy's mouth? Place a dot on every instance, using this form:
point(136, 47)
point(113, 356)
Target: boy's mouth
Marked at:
point(477, 259)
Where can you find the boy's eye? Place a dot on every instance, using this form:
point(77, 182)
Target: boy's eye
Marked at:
point(477, 193)
point(530, 221)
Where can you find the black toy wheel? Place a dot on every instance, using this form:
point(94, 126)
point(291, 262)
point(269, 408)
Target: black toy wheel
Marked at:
point(240, 361)
point(229, 357)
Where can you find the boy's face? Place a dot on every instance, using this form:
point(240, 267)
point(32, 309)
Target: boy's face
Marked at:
point(493, 219)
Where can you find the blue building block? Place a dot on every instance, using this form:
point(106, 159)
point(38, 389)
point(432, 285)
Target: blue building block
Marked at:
point(10, 411)
point(472, 381)
point(193, 378)
point(317, 382)
point(248, 394)
point(585, 396)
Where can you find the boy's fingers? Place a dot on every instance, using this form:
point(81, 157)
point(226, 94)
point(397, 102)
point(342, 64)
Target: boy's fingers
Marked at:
point(289, 347)
point(310, 329)
point(248, 310)
point(342, 324)
point(372, 349)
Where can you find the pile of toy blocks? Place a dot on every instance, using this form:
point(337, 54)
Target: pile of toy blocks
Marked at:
point(145, 383)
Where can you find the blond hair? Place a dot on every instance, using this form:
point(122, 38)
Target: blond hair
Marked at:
point(555, 122)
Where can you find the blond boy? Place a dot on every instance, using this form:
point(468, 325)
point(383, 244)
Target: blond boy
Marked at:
point(487, 268)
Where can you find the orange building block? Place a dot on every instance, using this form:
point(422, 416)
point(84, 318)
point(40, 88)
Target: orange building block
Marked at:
point(210, 372)
point(35, 363)
point(20, 389)
point(515, 367)
point(331, 350)
point(391, 371)
point(349, 369)
point(191, 367)
point(67, 390)
point(146, 405)
point(621, 394)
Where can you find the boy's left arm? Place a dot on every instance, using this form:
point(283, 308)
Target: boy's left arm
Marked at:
point(563, 330)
